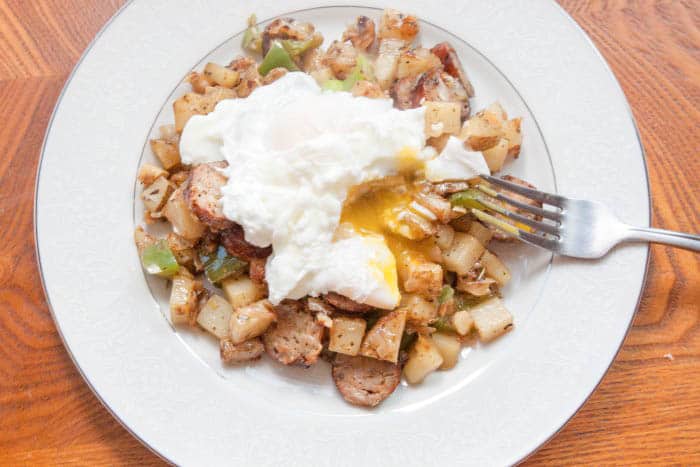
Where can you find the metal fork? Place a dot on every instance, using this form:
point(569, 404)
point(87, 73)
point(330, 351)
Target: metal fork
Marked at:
point(577, 228)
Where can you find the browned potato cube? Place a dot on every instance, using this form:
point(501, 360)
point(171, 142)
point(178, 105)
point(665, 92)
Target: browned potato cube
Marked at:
point(442, 117)
point(416, 61)
point(480, 232)
point(183, 298)
point(346, 335)
point(495, 268)
point(479, 134)
point(511, 132)
point(420, 276)
point(167, 153)
point(250, 321)
point(184, 223)
point(423, 358)
point(396, 25)
point(220, 75)
point(419, 311)
point(156, 194)
point(148, 173)
point(449, 346)
point(491, 319)
point(214, 316)
point(464, 252)
point(496, 156)
point(384, 339)
point(237, 353)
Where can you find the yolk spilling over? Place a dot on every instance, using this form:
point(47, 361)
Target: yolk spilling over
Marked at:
point(374, 211)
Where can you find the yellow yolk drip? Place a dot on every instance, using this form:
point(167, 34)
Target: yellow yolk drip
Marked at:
point(371, 212)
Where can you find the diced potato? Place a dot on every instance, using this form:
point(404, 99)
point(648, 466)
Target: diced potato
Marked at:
point(242, 291)
point(494, 114)
point(444, 236)
point(384, 339)
point(214, 316)
point(198, 82)
point(419, 311)
point(496, 156)
point(167, 153)
point(250, 321)
point(478, 288)
point(464, 252)
point(216, 94)
point(142, 239)
point(481, 233)
point(423, 358)
point(420, 276)
point(478, 134)
point(416, 61)
point(183, 298)
point(149, 173)
point(156, 194)
point(495, 268)
point(396, 25)
point(217, 74)
point(386, 63)
point(511, 132)
point(188, 105)
point(442, 117)
point(182, 248)
point(463, 322)
point(449, 346)
point(491, 319)
point(184, 223)
point(243, 352)
point(346, 335)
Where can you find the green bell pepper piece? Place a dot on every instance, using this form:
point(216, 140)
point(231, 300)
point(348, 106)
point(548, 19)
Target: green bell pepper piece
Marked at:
point(159, 259)
point(469, 198)
point(446, 294)
point(443, 324)
point(219, 265)
point(361, 71)
point(276, 57)
point(252, 39)
point(296, 48)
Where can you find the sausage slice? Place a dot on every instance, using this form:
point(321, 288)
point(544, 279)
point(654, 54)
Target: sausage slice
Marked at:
point(346, 304)
point(203, 195)
point(295, 339)
point(234, 241)
point(365, 381)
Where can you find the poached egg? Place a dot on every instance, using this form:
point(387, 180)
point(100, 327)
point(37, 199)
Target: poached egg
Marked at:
point(294, 152)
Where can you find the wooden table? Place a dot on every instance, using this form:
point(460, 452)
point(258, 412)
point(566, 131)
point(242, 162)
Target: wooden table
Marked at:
point(647, 409)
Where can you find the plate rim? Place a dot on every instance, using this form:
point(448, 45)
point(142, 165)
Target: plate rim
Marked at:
point(128, 3)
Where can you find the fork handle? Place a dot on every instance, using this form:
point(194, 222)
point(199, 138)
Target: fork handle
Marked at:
point(667, 237)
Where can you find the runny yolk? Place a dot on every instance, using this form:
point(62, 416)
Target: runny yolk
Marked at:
point(372, 212)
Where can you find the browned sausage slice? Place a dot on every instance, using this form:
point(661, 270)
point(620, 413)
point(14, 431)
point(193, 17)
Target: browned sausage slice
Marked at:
point(295, 339)
point(365, 381)
point(233, 240)
point(203, 195)
point(346, 304)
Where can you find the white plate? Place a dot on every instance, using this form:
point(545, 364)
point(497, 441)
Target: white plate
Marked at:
point(168, 387)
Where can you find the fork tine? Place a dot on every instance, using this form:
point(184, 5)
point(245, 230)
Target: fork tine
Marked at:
point(542, 242)
point(540, 196)
point(548, 228)
point(552, 215)
point(547, 243)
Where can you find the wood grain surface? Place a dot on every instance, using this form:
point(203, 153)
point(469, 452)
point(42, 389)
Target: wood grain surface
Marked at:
point(647, 408)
